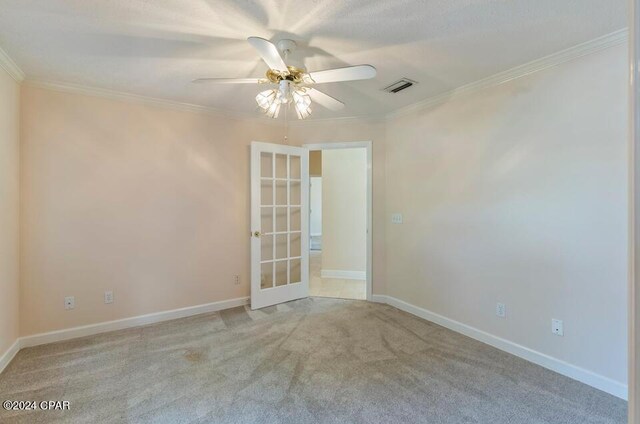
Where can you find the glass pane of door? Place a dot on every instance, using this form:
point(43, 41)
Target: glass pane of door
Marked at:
point(280, 200)
point(267, 220)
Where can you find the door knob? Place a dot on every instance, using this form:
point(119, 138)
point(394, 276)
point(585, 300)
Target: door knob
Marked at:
point(256, 234)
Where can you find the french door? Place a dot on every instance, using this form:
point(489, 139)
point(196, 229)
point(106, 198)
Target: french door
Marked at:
point(279, 224)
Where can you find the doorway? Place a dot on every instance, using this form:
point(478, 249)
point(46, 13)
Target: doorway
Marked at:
point(339, 220)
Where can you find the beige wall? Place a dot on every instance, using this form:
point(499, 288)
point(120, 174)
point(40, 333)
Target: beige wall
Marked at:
point(344, 130)
point(144, 201)
point(151, 203)
point(518, 194)
point(344, 210)
point(9, 210)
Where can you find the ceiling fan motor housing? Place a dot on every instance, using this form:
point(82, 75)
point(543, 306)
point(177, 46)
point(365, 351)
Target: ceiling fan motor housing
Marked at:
point(293, 74)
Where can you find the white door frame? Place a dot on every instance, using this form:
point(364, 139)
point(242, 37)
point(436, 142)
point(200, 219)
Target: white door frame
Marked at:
point(634, 208)
point(368, 146)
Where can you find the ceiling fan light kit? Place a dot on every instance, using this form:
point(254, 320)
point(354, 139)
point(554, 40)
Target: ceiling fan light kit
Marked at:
point(270, 101)
point(302, 103)
point(293, 83)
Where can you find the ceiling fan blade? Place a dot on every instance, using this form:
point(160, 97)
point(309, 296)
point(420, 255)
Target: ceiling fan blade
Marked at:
point(231, 80)
point(349, 73)
point(269, 53)
point(324, 99)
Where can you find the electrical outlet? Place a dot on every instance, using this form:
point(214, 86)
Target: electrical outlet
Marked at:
point(396, 218)
point(108, 297)
point(501, 310)
point(236, 280)
point(557, 327)
point(69, 302)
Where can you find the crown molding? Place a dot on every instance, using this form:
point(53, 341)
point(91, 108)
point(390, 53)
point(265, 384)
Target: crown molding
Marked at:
point(144, 100)
point(301, 122)
point(10, 66)
point(575, 52)
point(66, 87)
point(72, 88)
point(597, 44)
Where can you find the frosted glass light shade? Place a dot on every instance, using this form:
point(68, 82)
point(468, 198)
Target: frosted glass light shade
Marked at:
point(273, 110)
point(302, 102)
point(303, 113)
point(265, 98)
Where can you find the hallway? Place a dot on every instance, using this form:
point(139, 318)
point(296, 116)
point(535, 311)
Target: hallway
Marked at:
point(332, 287)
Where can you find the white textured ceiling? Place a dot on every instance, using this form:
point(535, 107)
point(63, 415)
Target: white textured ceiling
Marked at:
point(156, 47)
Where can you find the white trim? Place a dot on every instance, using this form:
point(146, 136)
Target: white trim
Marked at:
point(369, 147)
point(379, 298)
point(555, 59)
point(10, 66)
point(585, 376)
point(633, 292)
point(103, 327)
point(145, 100)
point(344, 274)
point(374, 117)
point(340, 145)
point(6, 358)
point(72, 88)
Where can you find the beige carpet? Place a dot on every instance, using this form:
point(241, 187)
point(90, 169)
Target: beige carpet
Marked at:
point(310, 361)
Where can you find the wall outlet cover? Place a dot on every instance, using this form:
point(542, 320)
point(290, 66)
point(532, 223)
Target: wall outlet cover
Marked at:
point(396, 218)
point(108, 297)
point(501, 310)
point(69, 302)
point(557, 327)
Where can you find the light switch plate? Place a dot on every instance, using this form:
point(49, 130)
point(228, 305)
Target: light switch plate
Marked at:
point(396, 218)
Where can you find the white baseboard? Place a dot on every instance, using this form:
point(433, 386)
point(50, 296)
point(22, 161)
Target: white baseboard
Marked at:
point(9, 355)
point(103, 327)
point(344, 274)
point(379, 298)
point(598, 381)
point(585, 376)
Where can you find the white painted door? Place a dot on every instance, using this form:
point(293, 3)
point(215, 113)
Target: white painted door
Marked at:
point(279, 224)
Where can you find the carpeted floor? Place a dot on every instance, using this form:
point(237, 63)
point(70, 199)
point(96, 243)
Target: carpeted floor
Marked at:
point(309, 361)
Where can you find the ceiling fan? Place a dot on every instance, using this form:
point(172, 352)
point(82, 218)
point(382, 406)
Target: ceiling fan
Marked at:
point(294, 84)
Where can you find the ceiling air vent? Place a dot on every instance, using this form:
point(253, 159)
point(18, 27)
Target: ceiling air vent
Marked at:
point(400, 85)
